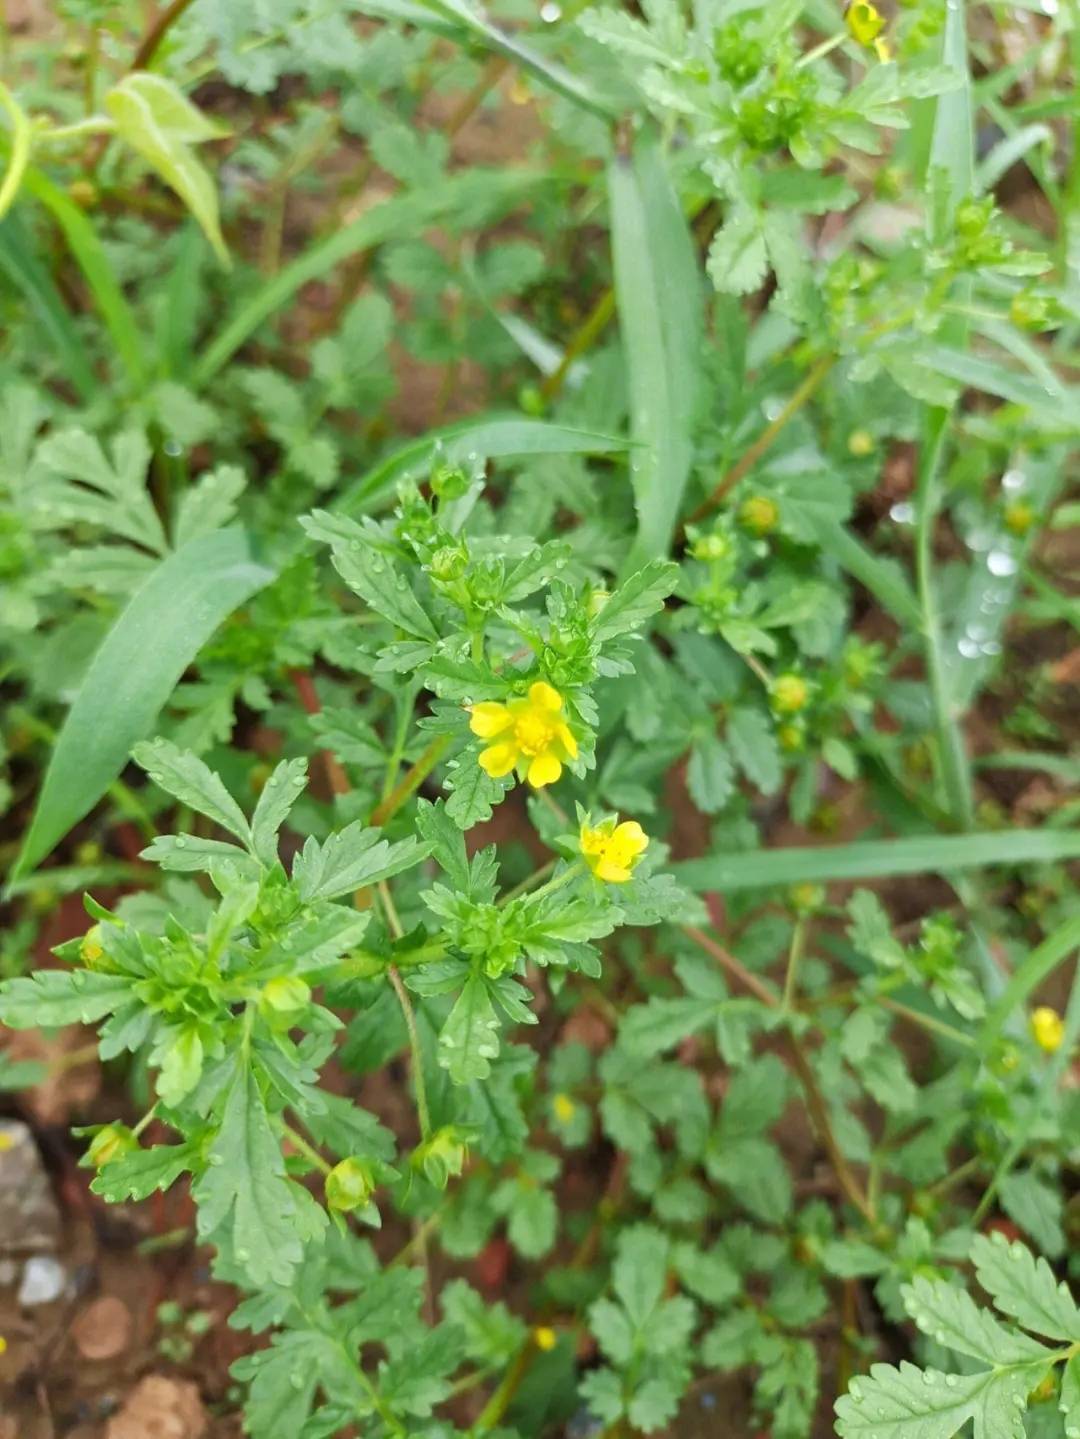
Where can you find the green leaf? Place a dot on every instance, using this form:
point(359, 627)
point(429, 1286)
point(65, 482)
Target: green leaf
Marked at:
point(750, 737)
point(635, 600)
point(1070, 1395)
point(953, 1318)
point(873, 859)
point(952, 148)
point(154, 118)
point(90, 255)
point(490, 437)
point(55, 997)
point(18, 258)
point(407, 214)
point(469, 1039)
point(1025, 1288)
point(245, 1202)
point(279, 794)
point(710, 775)
point(136, 669)
point(659, 300)
point(139, 1172)
point(188, 779)
point(474, 791)
point(376, 578)
point(350, 859)
point(911, 1403)
point(737, 257)
point(1034, 1204)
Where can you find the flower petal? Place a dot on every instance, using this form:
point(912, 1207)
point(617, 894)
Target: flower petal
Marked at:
point(613, 873)
point(592, 841)
point(567, 740)
point(544, 696)
point(545, 769)
point(488, 719)
point(631, 837)
point(498, 759)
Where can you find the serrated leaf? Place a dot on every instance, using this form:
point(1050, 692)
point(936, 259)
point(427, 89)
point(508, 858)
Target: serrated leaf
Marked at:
point(710, 774)
point(156, 120)
point(750, 737)
point(138, 1173)
point(473, 791)
point(350, 859)
point(243, 1196)
point(188, 779)
point(279, 794)
point(737, 256)
point(911, 1403)
point(635, 600)
point(1025, 1288)
point(953, 1319)
point(55, 997)
point(469, 1039)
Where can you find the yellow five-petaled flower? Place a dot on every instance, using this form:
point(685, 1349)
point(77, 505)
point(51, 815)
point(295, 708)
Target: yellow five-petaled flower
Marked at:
point(530, 735)
point(865, 22)
point(611, 850)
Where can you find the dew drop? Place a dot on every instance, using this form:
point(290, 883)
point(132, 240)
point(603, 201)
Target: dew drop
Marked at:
point(1014, 480)
point(968, 648)
point(1001, 563)
point(173, 447)
point(991, 647)
point(951, 1380)
point(1016, 1251)
point(181, 842)
point(550, 12)
point(902, 512)
point(296, 1379)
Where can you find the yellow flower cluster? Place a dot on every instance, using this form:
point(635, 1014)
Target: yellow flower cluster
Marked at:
point(530, 735)
point(611, 850)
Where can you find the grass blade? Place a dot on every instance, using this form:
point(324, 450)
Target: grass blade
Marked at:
point(490, 437)
point(883, 578)
point(155, 638)
point(877, 859)
point(1028, 976)
point(90, 256)
point(659, 300)
point(404, 215)
point(26, 272)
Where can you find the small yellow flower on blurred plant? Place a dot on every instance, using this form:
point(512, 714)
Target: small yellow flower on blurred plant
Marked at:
point(865, 22)
point(530, 735)
point(1048, 1028)
point(611, 850)
point(564, 1108)
point(860, 443)
point(544, 1337)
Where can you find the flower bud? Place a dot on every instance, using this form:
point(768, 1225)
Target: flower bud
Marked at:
point(349, 1185)
point(860, 444)
point(91, 951)
point(759, 514)
point(1019, 517)
point(109, 1144)
point(790, 693)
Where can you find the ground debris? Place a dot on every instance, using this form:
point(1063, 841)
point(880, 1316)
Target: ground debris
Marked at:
point(160, 1408)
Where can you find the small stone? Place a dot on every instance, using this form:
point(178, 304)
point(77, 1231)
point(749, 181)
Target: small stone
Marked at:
point(29, 1218)
point(44, 1280)
point(103, 1329)
point(160, 1408)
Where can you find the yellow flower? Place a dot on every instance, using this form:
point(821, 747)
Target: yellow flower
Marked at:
point(1048, 1028)
point(864, 21)
point(529, 735)
point(545, 1338)
point(564, 1108)
point(3, 1345)
point(759, 514)
point(789, 694)
point(611, 850)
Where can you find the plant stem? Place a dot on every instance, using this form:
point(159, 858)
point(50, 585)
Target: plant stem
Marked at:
point(309, 1152)
point(499, 1402)
point(795, 954)
point(336, 777)
point(815, 1101)
point(419, 1083)
point(750, 457)
point(411, 781)
point(151, 41)
point(589, 331)
point(529, 881)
